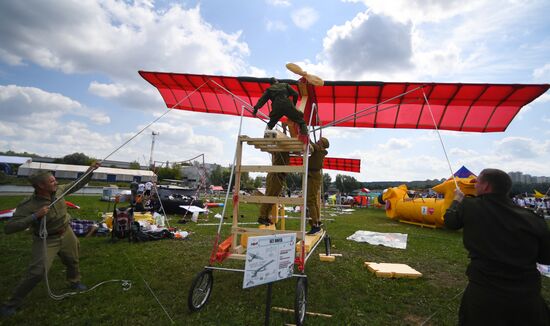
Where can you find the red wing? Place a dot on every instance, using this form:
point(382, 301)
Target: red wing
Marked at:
point(334, 163)
point(455, 106)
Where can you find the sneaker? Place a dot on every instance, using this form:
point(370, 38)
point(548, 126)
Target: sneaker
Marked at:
point(78, 286)
point(264, 221)
point(314, 229)
point(7, 311)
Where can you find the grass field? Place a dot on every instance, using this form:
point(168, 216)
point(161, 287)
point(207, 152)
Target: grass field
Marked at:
point(344, 288)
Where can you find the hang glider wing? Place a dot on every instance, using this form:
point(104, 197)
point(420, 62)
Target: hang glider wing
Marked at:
point(334, 163)
point(455, 106)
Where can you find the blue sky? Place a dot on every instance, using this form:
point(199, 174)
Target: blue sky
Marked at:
point(69, 81)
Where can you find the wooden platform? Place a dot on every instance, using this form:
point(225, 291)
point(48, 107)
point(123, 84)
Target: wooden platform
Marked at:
point(392, 270)
point(275, 144)
point(310, 241)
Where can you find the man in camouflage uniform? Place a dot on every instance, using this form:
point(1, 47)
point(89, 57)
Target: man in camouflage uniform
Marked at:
point(274, 185)
point(61, 239)
point(281, 105)
point(314, 180)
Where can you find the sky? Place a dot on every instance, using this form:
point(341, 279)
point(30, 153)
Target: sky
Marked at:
point(69, 75)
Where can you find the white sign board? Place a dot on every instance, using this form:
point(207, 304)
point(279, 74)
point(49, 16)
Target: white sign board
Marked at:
point(269, 258)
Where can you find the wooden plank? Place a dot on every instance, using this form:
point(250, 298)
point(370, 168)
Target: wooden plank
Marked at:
point(392, 270)
point(237, 186)
point(278, 149)
point(318, 314)
point(237, 256)
point(250, 231)
point(273, 168)
point(310, 241)
point(272, 140)
point(271, 200)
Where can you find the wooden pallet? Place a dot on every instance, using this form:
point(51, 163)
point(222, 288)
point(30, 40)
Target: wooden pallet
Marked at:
point(392, 270)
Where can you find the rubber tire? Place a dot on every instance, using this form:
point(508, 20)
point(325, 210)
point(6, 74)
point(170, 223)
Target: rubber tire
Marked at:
point(300, 301)
point(201, 286)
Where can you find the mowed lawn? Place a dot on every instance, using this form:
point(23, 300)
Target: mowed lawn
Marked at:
point(344, 289)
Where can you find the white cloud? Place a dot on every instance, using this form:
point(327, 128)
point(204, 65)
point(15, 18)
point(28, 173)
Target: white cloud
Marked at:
point(518, 147)
point(117, 39)
point(19, 103)
point(542, 73)
point(279, 3)
point(368, 47)
point(420, 11)
point(396, 144)
point(275, 26)
point(304, 17)
point(33, 105)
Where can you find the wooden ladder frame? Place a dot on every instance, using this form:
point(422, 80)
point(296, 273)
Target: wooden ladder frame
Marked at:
point(270, 145)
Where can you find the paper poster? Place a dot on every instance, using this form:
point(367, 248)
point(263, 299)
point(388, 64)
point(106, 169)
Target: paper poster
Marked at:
point(269, 258)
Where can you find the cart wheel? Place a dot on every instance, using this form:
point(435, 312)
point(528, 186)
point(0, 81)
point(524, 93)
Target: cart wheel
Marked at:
point(300, 301)
point(200, 290)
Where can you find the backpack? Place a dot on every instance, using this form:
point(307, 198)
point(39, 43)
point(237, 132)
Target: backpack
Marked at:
point(123, 219)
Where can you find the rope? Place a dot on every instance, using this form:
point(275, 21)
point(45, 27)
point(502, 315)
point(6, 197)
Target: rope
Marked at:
point(232, 173)
point(358, 114)
point(124, 144)
point(440, 139)
point(435, 313)
point(150, 289)
point(246, 104)
point(43, 232)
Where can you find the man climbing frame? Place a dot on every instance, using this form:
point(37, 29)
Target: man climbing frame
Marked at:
point(314, 180)
point(279, 94)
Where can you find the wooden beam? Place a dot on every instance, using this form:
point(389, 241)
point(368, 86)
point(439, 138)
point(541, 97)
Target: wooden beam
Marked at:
point(272, 168)
point(271, 200)
point(239, 230)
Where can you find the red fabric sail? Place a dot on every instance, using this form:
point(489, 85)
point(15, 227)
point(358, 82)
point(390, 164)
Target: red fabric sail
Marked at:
point(455, 106)
point(334, 163)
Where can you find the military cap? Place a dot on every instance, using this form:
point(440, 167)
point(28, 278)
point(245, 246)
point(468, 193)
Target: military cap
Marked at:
point(39, 177)
point(325, 142)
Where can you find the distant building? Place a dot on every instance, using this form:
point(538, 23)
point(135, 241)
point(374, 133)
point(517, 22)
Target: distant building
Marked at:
point(191, 175)
point(72, 172)
point(519, 177)
point(515, 176)
point(8, 162)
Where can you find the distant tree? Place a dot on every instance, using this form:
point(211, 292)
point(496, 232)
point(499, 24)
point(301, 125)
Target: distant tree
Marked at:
point(346, 183)
point(169, 173)
point(258, 181)
point(12, 153)
point(135, 165)
point(294, 181)
point(76, 159)
point(326, 181)
point(216, 176)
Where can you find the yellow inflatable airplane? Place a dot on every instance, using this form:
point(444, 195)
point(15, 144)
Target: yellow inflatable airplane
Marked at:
point(426, 212)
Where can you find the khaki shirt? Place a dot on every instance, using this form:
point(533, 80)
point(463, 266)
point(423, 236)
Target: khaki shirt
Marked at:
point(316, 158)
point(57, 218)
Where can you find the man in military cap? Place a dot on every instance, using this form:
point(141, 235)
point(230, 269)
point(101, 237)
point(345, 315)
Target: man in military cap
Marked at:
point(314, 181)
point(281, 105)
point(60, 240)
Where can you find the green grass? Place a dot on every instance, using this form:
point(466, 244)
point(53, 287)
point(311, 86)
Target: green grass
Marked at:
point(343, 288)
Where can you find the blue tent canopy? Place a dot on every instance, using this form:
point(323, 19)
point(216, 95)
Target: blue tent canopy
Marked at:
point(463, 172)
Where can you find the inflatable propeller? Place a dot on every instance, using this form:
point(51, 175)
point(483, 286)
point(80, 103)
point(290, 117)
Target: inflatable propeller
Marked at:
point(312, 79)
